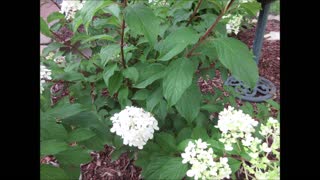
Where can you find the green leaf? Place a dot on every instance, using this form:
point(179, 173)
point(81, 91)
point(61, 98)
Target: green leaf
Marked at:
point(141, 95)
point(202, 120)
point(117, 153)
point(114, 83)
point(117, 142)
point(189, 104)
point(161, 111)
point(109, 52)
point(62, 111)
point(99, 37)
point(166, 141)
point(150, 74)
point(273, 104)
point(252, 8)
point(178, 123)
point(154, 99)
point(123, 97)
point(247, 108)
point(114, 10)
point(183, 144)
point(178, 78)
point(173, 169)
point(44, 28)
point(236, 57)
point(131, 73)
point(71, 76)
point(141, 20)
point(200, 132)
point(234, 164)
point(181, 15)
point(51, 47)
point(90, 8)
point(76, 23)
point(212, 108)
point(152, 170)
point(89, 120)
point(185, 133)
point(176, 42)
point(80, 134)
point(49, 129)
point(52, 147)
point(49, 172)
point(71, 159)
point(108, 72)
point(54, 16)
point(217, 146)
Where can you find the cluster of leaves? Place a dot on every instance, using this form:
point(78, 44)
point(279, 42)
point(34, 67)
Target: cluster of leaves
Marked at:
point(144, 55)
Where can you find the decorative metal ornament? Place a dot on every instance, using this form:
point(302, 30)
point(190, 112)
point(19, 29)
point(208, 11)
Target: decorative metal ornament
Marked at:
point(262, 91)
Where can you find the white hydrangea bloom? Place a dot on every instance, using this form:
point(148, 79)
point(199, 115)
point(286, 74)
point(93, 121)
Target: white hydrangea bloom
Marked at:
point(245, 1)
point(49, 56)
point(234, 23)
point(202, 160)
point(260, 164)
point(44, 74)
point(235, 125)
point(159, 2)
point(61, 61)
point(70, 7)
point(134, 125)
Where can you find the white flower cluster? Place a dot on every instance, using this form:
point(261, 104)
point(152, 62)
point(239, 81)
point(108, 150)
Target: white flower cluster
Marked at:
point(159, 2)
point(70, 7)
point(44, 74)
point(50, 56)
point(245, 1)
point(261, 166)
point(61, 61)
point(202, 160)
point(235, 125)
point(234, 23)
point(271, 130)
point(134, 125)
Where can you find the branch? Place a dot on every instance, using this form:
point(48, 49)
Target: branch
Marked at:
point(206, 34)
point(122, 38)
point(194, 12)
point(71, 46)
point(56, 4)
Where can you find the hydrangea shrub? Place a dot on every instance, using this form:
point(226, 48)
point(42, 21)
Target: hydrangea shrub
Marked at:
point(124, 73)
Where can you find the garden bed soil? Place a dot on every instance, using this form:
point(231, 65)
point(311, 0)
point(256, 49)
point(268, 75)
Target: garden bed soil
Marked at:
point(101, 167)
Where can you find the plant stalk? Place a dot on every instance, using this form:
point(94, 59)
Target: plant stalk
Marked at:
point(209, 30)
point(122, 39)
point(194, 12)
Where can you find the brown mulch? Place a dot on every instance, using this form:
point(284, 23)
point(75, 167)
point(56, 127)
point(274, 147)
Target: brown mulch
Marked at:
point(101, 167)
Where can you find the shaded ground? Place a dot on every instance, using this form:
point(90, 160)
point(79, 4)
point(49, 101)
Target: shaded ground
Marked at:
point(101, 167)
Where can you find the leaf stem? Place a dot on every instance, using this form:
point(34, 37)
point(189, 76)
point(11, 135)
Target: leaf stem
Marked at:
point(194, 12)
point(122, 38)
point(245, 171)
point(206, 34)
point(58, 6)
point(69, 45)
